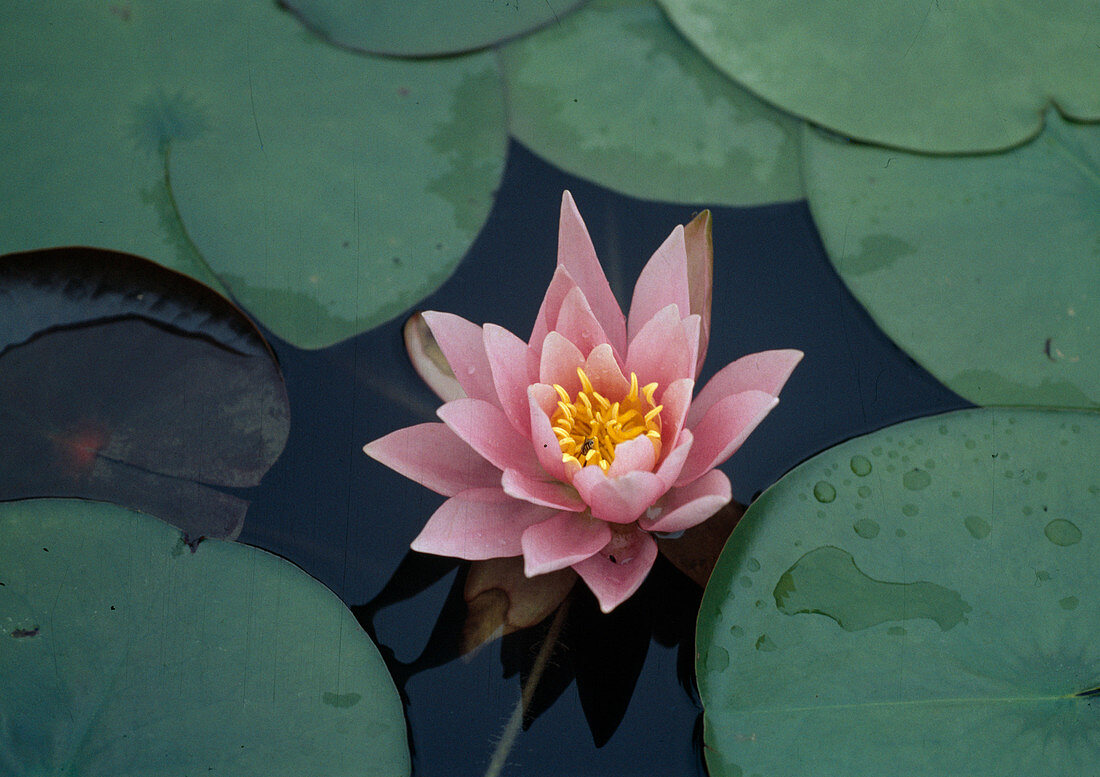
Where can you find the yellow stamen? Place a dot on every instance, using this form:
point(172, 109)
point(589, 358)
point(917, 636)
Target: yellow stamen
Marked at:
point(590, 425)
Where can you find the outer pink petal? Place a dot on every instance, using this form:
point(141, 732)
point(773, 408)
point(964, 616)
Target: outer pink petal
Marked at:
point(461, 343)
point(602, 369)
point(682, 508)
point(576, 253)
point(548, 493)
point(477, 524)
point(543, 399)
point(561, 541)
point(676, 401)
point(560, 285)
point(613, 582)
point(722, 430)
point(661, 351)
point(618, 500)
point(766, 371)
point(637, 455)
point(560, 360)
point(691, 335)
point(485, 428)
point(507, 356)
point(579, 325)
point(434, 456)
point(700, 270)
point(663, 282)
point(673, 463)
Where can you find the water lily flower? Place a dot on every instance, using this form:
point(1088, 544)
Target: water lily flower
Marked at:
point(572, 449)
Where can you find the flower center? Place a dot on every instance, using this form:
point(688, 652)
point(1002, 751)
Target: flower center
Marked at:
point(589, 426)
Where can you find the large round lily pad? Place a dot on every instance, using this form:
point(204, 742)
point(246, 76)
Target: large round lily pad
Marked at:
point(425, 27)
point(124, 653)
point(326, 190)
point(646, 116)
point(984, 268)
point(940, 76)
point(918, 601)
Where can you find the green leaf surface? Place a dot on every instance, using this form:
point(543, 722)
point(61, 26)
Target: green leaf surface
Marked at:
point(124, 653)
point(425, 27)
point(613, 94)
point(918, 601)
point(940, 76)
point(327, 191)
point(986, 269)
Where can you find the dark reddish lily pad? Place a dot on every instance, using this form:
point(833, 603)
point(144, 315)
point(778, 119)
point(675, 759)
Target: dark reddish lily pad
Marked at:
point(125, 382)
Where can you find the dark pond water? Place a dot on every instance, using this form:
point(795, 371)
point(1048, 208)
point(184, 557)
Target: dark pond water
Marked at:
point(618, 696)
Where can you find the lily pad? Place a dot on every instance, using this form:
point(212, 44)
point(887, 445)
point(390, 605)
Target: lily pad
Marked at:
point(326, 190)
point(983, 268)
point(647, 116)
point(918, 601)
point(937, 76)
point(127, 654)
point(425, 27)
point(126, 382)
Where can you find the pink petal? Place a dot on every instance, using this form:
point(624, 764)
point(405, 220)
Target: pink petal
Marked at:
point(676, 401)
point(661, 351)
point(546, 321)
point(576, 253)
point(613, 582)
point(602, 369)
point(560, 360)
point(618, 500)
point(561, 541)
point(691, 335)
point(682, 508)
point(434, 456)
point(485, 428)
point(635, 455)
point(722, 430)
point(700, 271)
point(543, 401)
point(663, 282)
point(548, 493)
point(461, 343)
point(477, 524)
point(766, 371)
point(673, 463)
point(577, 322)
point(507, 356)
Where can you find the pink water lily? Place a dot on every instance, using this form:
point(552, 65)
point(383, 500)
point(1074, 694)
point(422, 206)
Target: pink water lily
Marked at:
point(571, 449)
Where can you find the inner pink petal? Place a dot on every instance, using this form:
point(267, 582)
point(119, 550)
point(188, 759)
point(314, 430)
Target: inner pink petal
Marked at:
point(477, 524)
point(486, 429)
point(561, 541)
point(766, 371)
point(560, 360)
point(576, 253)
point(434, 456)
point(602, 368)
point(670, 468)
point(675, 401)
point(661, 352)
point(619, 569)
point(618, 500)
point(462, 345)
point(662, 282)
point(549, 493)
point(637, 455)
point(507, 356)
point(546, 321)
point(543, 401)
point(578, 324)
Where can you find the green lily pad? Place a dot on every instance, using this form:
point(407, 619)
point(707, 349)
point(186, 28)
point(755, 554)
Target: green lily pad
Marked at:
point(425, 27)
point(937, 76)
point(647, 116)
point(917, 601)
point(983, 268)
point(124, 653)
point(327, 191)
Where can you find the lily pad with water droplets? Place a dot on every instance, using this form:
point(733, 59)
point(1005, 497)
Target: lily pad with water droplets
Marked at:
point(645, 115)
point(983, 268)
point(125, 653)
point(425, 27)
point(940, 76)
point(916, 601)
point(326, 190)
